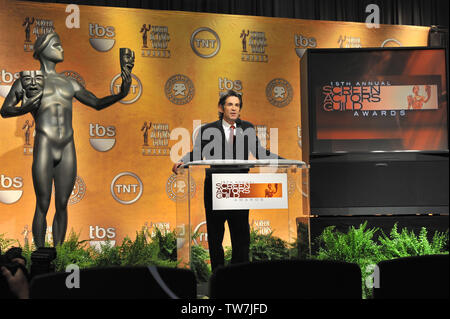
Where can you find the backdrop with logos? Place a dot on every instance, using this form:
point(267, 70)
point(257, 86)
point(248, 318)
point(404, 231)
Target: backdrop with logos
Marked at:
point(183, 62)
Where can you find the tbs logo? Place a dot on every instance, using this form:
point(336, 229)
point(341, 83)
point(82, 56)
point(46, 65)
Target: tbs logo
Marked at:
point(100, 236)
point(6, 81)
point(101, 38)
point(10, 189)
point(102, 138)
point(226, 84)
point(302, 42)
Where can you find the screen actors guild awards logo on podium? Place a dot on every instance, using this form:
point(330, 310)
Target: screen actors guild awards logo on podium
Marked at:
point(205, 42)
point(79, 190)
point(126, 188)
point(101, 38)
point(159, 38)
point(255, 51)
point(279, 92)
point(135, 89)
point(177, 187)
point(102, 138)
point(10, 189)
point(159, 134)
point(37, 27)
point(179, 89)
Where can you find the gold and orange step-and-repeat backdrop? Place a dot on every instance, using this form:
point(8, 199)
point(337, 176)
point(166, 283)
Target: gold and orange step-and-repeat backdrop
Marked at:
point(183, 61)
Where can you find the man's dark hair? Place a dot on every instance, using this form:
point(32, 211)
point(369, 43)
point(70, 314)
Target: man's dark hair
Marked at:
point(224, 96)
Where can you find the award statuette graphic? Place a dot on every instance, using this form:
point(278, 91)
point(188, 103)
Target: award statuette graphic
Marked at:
point(48, 96)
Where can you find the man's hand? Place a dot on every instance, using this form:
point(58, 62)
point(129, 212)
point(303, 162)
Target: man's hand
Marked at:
point(18, 284)
point(176, 166)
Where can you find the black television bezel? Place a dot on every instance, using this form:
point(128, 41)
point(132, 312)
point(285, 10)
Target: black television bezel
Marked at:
point(312, 125)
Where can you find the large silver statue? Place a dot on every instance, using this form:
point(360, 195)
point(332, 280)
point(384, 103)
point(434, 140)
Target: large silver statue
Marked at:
point(48, 96)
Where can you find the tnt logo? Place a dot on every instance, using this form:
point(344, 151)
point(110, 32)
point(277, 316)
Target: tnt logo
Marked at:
point(201, 235)
point(10, 189)
point(101, 38)
point(102, 138)
point(135, 89)
point(205, 42)
point(100, 236)
point(126, 188)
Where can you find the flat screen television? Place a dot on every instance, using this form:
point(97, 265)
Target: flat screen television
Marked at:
point(376, 100)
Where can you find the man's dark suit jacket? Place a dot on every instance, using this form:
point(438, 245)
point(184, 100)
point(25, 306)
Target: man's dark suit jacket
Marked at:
point(211, 143)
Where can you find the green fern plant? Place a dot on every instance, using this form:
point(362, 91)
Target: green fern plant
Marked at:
point(356, 246)
point(6, 243)
point(73, 251)
point(199, 264)
point(406, 243)
point(266, 247)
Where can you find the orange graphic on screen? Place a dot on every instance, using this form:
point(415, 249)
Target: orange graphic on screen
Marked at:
point(417, 101)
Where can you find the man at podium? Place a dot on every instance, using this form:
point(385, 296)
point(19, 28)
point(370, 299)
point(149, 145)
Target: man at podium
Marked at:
point(228, 138)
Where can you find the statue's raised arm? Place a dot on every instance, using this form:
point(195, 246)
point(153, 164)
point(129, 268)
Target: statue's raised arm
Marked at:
point(88, 98)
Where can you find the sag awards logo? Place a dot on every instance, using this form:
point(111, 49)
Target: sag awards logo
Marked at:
point(37, 27)
point(279, 92)
point(349, 42)
point(101, 38)
point(177, 187)
point(102, 138)
point(262, 226)
point(179, 89)
point(26, 128)
point(78, 192)
point(158, 144)
point(302, 43)
point(126, 188)
point(159, 38)
point(135, 89)
point(254, 45)
point(205, 42)
point(10, 189)
point(150, 231)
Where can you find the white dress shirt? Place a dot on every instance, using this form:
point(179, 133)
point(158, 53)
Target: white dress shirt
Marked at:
point(226, 128)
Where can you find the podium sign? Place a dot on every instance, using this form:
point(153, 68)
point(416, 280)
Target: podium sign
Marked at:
point(249, 191)
point(274, 191)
